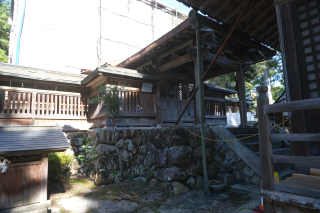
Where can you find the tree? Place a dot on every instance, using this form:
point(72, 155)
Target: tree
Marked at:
point(254, 76)
point(4, 29)
point(109, 98)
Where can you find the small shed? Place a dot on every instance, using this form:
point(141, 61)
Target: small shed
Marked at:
point(23, 187)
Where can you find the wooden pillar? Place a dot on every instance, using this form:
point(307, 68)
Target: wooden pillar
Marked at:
point(265, 147)
point(292, 76)
point(242, 98)
point(196, 80)
point(44, 178)
point(158, 107)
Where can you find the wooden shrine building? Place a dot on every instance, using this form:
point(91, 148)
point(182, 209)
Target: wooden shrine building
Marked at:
point(23, 187)
point(293, 28)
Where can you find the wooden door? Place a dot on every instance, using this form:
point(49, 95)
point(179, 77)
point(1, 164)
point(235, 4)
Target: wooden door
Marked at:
point(20, 185)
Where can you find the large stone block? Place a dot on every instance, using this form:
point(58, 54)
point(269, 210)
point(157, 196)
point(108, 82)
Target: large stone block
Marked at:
point(139, 137)
point(191, 182)
point(195, 141)
point(170, 174)
point(180, 156)
point(164, 187)
point(210, 153)
point(141, 180)
point(213, 169)
point(76, 135)
point(154, 137)
point(248, 172)
point(111, 163)
point(197, 152)
point(162, 158)
point(175, 137)
point(107, 150)
point(104, 177)
point(199, 182)
point(77, 142)
point(179, 188)
point(125, 155)
point(149, 160)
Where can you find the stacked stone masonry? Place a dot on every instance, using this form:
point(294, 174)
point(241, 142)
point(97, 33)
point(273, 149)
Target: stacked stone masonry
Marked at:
point(162, 156)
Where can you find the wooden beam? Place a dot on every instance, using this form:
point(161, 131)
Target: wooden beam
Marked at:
point(301, 160)
point(296, 137)
point(261, 25)
point(204, 5)
point(214, 13)
point(94, 83)
point(297, 190)
point(255, 19)
point(291, 106)
point(234, 12)
point(176, 62)
point(268, 30)
point(223, 61)
point(254, 7)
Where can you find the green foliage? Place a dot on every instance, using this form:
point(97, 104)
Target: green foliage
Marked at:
point(131, 177)
point(115, 172)
point(152, 174)
point(58, 165)
point(254, 76)
point(4, 29)
point(144, 168)
point(109, 97)
point(90, 153)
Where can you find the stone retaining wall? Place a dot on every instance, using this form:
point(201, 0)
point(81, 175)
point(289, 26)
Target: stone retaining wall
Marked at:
point(161, 156)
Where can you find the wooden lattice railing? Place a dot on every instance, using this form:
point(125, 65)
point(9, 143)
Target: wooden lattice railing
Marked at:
point(41, 104)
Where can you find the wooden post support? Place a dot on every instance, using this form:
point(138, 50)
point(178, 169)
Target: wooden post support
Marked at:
point(158, 107)
point(242, 98)
point(196, 80)
point(265, 144)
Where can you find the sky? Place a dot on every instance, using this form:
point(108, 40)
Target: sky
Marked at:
point(180, 6)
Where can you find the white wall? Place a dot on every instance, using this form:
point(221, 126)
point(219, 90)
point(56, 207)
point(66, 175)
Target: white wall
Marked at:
point(233, 119)
point(63, 35)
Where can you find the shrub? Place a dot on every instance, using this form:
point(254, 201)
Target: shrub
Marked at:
point(58, 165)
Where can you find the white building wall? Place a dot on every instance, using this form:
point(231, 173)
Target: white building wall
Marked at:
point(64, 34)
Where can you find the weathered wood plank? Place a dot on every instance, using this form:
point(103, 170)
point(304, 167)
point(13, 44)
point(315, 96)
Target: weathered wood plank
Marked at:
point(307, 104)
point(296, 137)
point(18, 89)
point(29, 103)
point(79, 110)
point(14, 94)
point(38, 104)
point(309, 161)
point(44, 179)
point(63, 105)
point(19, 103)
point(8, 102)
point(265, 144)
point(71, 106)
point(68, 106)
point(46, 101)
point(3, 95)
point(59, 106)
point(297, 190)
point(176, 62)
point(24, 103)
point(51, 105)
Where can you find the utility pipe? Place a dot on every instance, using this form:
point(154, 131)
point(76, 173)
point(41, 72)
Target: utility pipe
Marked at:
point(203, 143)
point(215, 58)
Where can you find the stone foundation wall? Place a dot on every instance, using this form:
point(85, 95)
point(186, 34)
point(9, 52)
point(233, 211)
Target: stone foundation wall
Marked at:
point(160, 155)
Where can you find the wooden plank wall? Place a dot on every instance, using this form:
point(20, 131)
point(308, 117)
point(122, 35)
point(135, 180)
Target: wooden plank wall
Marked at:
point(20, 185)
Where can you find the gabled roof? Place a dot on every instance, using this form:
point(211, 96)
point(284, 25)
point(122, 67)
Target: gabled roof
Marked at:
point(31, 138)
point(219, 89)
point(260, 22)
point(39, 74)
point(117, 72)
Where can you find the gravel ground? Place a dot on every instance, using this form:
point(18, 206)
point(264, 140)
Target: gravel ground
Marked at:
point(81, 196)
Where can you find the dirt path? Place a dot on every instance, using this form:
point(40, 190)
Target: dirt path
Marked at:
point(81, 196)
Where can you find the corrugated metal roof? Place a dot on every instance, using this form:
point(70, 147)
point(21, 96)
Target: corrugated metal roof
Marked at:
point(31, 138)
point(39, 74)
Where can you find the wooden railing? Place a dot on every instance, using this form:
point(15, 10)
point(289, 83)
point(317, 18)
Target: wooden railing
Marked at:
point(41, 104)
point(137, 102)
point(215, 111)
point(266, 154)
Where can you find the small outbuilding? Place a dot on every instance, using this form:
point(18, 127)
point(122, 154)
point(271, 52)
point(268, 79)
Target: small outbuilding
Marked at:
point(23, 187)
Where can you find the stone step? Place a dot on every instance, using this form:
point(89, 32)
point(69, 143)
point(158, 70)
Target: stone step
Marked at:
point(254, 146)
point(243, 188)
point(281, 151)
point(241, 130)
point(247, 140)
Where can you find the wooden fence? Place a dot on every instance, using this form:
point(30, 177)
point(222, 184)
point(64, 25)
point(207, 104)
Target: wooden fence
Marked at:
point(298, 184)
point(19, 103)
point(215, 111)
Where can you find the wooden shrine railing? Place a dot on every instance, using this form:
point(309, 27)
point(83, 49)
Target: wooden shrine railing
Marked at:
point(215, 111)
point(24, 103)
point(291, 185)
point(137, 109)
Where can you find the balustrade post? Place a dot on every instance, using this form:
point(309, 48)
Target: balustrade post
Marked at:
point(265, 145)
point(33, 108)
